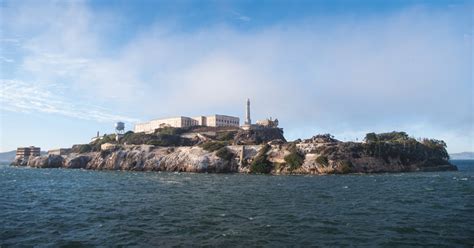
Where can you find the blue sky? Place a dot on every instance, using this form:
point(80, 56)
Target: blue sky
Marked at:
point(71, 68)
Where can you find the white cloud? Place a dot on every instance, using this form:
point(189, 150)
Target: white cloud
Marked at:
point(10, 41)
point(241, 17)
point(19, 96)
point(322, 75)
point(6, 60)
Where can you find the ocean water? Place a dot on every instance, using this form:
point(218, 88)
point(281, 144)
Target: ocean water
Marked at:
point(81, 208)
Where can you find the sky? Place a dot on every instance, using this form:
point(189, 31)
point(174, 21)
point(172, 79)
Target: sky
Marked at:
point(71, 68)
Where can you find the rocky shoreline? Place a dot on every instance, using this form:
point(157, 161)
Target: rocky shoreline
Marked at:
point(319, 155)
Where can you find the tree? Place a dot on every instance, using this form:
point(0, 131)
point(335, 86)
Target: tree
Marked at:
point(370, 137)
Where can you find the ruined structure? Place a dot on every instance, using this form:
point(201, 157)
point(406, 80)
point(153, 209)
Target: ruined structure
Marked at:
point(22, 152)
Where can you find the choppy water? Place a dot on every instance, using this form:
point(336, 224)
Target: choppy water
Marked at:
point(54, 207)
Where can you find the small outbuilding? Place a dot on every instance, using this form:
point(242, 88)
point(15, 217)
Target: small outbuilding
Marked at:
point(59, 151)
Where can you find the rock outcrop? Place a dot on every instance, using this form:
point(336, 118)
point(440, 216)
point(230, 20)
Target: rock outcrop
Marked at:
point(258, 136)
point(47, 161)
point(319, 155)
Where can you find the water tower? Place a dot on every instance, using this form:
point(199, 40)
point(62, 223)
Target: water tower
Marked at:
point(119, 130)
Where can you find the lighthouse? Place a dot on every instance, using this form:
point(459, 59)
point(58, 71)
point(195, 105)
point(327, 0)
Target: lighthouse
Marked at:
point(247, 114)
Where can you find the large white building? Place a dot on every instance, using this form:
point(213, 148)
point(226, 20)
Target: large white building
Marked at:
point(183, 121)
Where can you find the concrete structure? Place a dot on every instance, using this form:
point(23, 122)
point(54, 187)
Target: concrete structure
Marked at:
point(183, 121)
point(22, 152)
point(248, 121)
point(119, 130)
point(108, 146)
point(222, 121)
point(60, 151)
point(119, 127)
point(268, 122)
point(96, 137)
point(200, 120)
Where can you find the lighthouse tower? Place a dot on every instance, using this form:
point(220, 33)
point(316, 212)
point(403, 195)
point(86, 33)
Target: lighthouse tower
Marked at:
point(248, 121)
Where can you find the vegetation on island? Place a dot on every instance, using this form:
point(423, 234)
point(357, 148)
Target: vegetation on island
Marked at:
point(212, 146)
point(83, 148)
point(225, 154)
point(94, 146)
point(260, 163)
point(219, 147)
point(266, 152)
point(295, 159)
point(322, 160)
point(344, 167)
point(387, 146)
point(408, 149)
point(333, 156)
point(167, 136)
point(226, 135)
point(258, 136)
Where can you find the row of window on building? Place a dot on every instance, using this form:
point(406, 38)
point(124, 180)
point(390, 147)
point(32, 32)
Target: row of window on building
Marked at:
point(183, 121)
point(28, 151)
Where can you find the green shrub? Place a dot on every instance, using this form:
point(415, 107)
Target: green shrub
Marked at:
point(169, 131)
point(295, 159)
point(437, 148)
point(169, 140)
point(213, 145)
point(157, 139)
point(225, 154)
point(226, 135)
point(370, 137)
point(81, 148)
point(391, 136)
point(107, 138)
point(408, 150)
point(136, 138)
point(322, 160)
point(260, 164)
point(157, 142)
point(345, 166)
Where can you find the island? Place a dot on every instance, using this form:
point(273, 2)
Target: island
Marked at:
point(261, 149)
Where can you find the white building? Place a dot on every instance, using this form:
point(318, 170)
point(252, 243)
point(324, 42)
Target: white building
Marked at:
point(183, 121)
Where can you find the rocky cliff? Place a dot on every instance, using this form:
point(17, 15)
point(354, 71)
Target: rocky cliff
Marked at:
point(319, 155)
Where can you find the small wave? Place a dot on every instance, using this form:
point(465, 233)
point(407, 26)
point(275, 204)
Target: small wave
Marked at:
point(405, 230)
point(169, 181)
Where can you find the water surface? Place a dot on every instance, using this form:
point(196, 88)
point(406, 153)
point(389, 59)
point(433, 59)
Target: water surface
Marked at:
point(54, 207)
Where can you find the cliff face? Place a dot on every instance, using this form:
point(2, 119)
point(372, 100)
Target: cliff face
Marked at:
point(315, 156)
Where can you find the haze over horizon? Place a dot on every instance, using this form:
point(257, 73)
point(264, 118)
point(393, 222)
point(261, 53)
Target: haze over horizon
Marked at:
point(71, 68)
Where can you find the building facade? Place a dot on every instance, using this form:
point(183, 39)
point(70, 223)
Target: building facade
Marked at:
point(60, 151)
point(222, 121)
point(183, 121)
point(22, 152)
